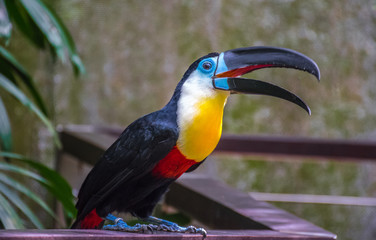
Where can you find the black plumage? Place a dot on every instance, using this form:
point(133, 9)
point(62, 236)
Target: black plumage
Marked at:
point(121, 180)
point(156, 149)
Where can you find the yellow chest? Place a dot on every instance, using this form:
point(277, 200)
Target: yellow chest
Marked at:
point(201, 126)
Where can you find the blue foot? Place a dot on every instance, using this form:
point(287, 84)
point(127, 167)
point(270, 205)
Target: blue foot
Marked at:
point(164, 225)
point(160, 225)
point(120, 225)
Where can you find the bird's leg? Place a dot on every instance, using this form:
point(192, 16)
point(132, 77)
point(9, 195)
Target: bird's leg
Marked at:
point(120, 225)
point(164, 225)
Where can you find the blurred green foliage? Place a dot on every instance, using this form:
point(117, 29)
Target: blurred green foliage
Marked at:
point(41, 26)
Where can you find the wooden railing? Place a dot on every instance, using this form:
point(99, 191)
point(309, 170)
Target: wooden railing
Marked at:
point(212, 203)
point(231, 214)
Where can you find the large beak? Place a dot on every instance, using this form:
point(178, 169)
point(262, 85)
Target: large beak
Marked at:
point(234, 63)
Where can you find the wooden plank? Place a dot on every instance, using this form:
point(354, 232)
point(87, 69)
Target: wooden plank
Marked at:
point(215, 207)
point(222, 207)
point(86, 146)
point(74, 234)
point(213, 203)
point(274, 145)
point(297, 146)
point(314, 199)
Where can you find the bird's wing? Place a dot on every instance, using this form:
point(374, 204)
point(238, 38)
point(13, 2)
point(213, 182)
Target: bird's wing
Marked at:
point(138, 149)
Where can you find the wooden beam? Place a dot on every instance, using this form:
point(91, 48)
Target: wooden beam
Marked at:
point(81, 234)
point(214, 204)
point(330, 149)
point(221, 207)
point(297, 146)
point(314, 199)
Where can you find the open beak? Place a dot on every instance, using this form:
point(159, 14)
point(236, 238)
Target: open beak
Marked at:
point(234, 63)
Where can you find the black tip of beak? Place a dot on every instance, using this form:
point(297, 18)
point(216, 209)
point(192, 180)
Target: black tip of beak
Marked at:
point(316, 73)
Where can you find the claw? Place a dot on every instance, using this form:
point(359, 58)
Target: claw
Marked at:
point(191, 229)
point(202, 232)
point(168, 226)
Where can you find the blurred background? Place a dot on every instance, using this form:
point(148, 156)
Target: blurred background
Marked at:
point(135, 52)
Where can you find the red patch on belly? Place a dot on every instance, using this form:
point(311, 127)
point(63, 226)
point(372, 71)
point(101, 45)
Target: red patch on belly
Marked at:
point(173, 165)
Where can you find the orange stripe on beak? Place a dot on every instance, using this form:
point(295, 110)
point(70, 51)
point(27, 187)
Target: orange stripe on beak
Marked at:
point(241, 71)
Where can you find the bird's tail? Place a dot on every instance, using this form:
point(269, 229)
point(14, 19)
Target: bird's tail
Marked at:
point(90, 221)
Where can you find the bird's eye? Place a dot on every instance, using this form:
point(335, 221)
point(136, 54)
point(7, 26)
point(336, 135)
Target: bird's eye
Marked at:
point(207, 65)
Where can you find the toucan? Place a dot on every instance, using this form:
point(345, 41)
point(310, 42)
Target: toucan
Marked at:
point(135, 172)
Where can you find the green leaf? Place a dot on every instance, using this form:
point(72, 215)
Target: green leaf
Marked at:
point(78, 66)
point(46, 25)
point(24, 23)
point(5, 24)
point(56, 184)
point(18, 94)
point(22, 189)
point(54, 177)
point(10, 63)
point(8, 215)
point(5, 129)
point(22, 171)
point(47, 184)
point(7, 70)
point(54, 31)
point(16, 200)
point(41, 25)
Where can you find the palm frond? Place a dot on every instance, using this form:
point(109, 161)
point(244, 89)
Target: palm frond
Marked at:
point(41, 25)
point(49, 178)
point(5, 129)
point(8, 215)
point(20, 204)
point(77, 64)
point(20, 96)
point(44, 28)
point(10, 66)
point(5, 24)
point(27, 192)
point(25, 24)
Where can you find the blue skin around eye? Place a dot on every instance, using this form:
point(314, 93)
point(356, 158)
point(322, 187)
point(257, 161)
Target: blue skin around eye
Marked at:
point(206, 71)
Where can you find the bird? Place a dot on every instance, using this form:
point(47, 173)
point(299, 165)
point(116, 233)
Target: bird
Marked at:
point(135, 172)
